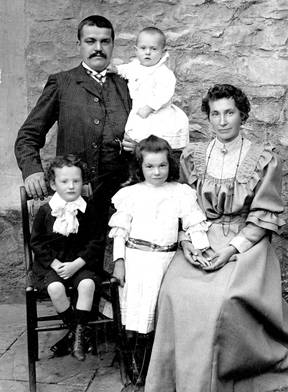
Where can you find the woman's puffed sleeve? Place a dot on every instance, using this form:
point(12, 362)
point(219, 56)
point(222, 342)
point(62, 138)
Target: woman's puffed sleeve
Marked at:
point(193, 219)
point(188, 171)
point(266, 205)
point(120, 221)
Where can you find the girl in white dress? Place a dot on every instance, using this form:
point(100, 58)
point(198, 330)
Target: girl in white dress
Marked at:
point(151, 85)
point(145, 232)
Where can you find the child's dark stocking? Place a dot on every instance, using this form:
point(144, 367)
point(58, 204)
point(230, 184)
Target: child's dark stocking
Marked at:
point(64, 345)
point(137, 355)
point(82, 318)
point(142, 354)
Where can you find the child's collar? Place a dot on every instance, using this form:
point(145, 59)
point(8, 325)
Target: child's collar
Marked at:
point(56, 201)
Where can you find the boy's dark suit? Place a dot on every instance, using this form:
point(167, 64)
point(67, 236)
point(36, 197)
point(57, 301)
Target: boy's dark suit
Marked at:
point(48, 245)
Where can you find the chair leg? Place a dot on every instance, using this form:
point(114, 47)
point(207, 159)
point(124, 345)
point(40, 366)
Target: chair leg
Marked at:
point(32, 338)
point(120, 338)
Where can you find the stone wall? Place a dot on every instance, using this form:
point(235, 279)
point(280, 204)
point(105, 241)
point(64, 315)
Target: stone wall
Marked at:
point(243, 42)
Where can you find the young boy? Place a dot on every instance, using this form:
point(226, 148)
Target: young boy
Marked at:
point(65, 246)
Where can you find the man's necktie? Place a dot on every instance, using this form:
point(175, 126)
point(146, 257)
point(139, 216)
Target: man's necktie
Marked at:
point(97, 76)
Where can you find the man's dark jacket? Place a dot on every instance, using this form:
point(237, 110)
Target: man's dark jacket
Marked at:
point(91, 121)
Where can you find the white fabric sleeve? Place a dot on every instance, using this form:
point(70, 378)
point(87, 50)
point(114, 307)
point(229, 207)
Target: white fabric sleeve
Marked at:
point(163, 89)
point(193, 219)
point(198, 235)
point(247, 237)
point(120, 221)
point(198, 238)
point(118, 248)
point(182, 236)
point(241, 243)
point(123, 70)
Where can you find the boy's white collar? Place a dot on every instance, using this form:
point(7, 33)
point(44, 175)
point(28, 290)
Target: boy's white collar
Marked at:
point(56, 201)
point(66, 214)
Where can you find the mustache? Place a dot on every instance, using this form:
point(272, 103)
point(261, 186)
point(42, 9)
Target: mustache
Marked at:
point(98, 53)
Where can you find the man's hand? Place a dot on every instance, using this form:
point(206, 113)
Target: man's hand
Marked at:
point(128, 144)
point(145, 111)
point(223, 257)
point(194, 256)
point(35, 186)
point(119, 271)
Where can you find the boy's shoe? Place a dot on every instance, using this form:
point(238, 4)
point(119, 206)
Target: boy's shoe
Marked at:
point(79, 343)
point(64, 345)
point(132, 388)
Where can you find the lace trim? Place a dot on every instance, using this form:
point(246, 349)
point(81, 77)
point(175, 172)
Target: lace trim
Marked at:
point(257, 157)
point(198, 153)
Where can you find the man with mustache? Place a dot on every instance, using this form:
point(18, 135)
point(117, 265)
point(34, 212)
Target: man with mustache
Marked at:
point(90, 107)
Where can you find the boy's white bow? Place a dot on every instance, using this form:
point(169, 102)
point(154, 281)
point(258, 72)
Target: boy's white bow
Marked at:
point(65, 212)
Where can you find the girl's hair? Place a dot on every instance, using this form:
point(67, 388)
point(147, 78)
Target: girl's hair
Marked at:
point(155, 144)
point(66, 160)
point(220, 91)
point(155, 31)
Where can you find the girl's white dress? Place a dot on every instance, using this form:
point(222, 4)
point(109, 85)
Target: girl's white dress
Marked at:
point(154, 86)
point(152, 214)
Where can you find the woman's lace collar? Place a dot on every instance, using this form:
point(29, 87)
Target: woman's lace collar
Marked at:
point(229, 146)
point(247, 167)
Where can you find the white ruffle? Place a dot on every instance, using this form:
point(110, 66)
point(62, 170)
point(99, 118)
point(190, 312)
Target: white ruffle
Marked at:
point(65, 212)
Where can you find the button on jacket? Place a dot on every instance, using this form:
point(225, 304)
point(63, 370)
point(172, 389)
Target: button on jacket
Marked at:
point(91, 119)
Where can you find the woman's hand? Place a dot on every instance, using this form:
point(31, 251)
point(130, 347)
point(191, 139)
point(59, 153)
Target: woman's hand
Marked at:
point(193, 255)
point(119, 271)
point(221, 258)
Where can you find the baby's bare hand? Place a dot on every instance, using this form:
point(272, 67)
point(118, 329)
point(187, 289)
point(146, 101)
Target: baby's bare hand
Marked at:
point(145, 111)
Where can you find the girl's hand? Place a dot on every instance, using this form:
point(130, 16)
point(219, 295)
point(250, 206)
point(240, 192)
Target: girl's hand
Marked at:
point(194, 256)
point(119, 271)
point(223, 257)
point(145, 111)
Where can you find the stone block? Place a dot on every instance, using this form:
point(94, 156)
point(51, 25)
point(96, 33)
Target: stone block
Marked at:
point(272, 36)
point(265, 91)
point(203, 16)
point(263, 70)
point(272, 9)
point(204, 66)
point(267, 112)
point(54, 9)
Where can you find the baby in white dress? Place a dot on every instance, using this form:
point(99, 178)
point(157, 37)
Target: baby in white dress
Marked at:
point(151, 85)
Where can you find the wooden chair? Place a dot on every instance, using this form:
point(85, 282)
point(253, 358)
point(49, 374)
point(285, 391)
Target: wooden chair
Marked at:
point(37, 324)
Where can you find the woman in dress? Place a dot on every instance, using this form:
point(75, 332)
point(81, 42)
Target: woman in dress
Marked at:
point(224, 322)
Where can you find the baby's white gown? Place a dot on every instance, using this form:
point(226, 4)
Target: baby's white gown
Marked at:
point(154, 86)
